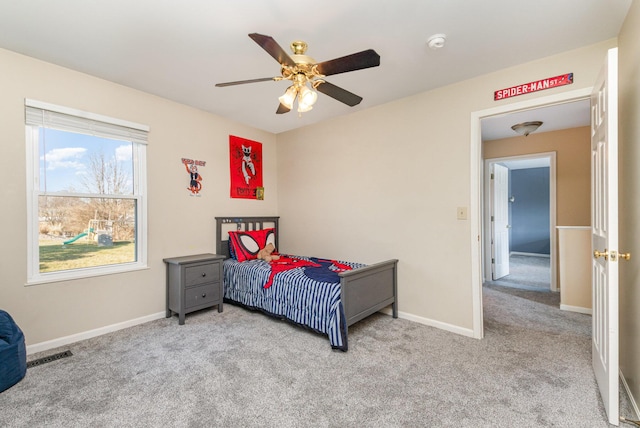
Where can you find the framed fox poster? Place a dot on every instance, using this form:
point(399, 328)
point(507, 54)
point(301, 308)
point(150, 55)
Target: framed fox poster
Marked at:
point(245, 158)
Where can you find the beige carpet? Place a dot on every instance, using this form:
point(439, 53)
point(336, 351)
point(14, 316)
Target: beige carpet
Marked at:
point(244, 369)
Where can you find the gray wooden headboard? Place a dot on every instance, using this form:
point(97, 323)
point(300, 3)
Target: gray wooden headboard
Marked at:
point(225, 224)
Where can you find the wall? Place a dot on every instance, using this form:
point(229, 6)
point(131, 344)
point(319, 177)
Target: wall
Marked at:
point(178, 224)
point(629, 203)
point(386, 183)
point(573, 167)
point(574, 254)
point(529, 211)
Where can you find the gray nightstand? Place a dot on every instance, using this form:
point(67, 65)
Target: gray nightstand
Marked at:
point(193, 283)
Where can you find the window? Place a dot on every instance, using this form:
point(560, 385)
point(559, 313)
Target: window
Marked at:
point(86, 186)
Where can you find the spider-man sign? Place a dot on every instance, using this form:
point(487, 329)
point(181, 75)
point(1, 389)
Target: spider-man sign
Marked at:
point(246, 168)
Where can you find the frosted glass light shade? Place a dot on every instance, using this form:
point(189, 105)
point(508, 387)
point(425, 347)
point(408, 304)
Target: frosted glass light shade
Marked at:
point(289, 97)
point(308, 96)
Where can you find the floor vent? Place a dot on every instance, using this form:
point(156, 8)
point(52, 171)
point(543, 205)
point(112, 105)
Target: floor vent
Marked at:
point(48, 359)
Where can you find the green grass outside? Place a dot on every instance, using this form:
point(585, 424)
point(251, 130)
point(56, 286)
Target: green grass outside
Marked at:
point(55, 257)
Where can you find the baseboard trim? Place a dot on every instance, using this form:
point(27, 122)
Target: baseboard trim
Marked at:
point(632, 400)
point(587, 311)
point(62, 341)
point(432, 323)
point(519, 253)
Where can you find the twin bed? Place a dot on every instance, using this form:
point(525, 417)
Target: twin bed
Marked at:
point(324, 295)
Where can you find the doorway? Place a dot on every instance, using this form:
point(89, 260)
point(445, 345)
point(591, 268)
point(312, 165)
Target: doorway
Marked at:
point(528, 258)
point(478, 182)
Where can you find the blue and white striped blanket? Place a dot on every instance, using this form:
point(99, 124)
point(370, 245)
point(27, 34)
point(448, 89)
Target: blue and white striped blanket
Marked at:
point(293, 295)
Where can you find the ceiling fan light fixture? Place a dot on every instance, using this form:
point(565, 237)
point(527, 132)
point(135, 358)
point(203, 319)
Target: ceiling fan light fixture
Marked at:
point(303, 108)
point(307, 97)
point(526, 128)
point(289, 97)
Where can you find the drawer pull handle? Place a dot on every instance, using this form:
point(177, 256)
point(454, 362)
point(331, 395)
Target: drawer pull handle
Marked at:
point(204, 274)
point(204, 295)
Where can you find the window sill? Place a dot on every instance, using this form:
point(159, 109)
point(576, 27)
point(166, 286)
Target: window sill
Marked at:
point(85, 273)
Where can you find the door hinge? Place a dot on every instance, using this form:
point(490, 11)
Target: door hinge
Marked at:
point(493, 261)
point(492, 176)
point(492, 218)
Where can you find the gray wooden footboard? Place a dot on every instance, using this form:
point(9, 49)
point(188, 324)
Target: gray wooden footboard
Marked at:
point(367, 290)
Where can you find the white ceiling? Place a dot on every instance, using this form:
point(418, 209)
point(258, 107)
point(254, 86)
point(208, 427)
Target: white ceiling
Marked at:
point(553, 118)
point(527, 163)
point(179, 50)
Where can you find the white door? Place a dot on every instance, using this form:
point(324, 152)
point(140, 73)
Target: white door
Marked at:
point(604, 221)
point(499, 221)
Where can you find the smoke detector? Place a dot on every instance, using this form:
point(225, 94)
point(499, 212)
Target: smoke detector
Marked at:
point(437, 41)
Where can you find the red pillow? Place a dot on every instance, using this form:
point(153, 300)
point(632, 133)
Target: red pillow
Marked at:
point(247, 243)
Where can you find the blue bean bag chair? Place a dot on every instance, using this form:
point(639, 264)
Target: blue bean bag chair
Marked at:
point(13, 354)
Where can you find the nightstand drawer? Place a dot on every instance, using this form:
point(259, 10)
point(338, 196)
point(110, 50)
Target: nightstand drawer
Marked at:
point(201, 274)
point(202, 295)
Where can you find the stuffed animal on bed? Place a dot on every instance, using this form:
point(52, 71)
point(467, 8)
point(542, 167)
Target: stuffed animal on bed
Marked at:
point(266, 253)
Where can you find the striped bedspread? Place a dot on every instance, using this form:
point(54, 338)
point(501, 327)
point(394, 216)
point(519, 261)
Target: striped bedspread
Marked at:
point(293, 295)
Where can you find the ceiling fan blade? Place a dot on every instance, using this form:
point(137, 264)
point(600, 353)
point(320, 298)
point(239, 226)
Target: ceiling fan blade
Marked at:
point(273, 48)
point(356, 61)
point(339, 94)
point(282, 109)
point(242, 82)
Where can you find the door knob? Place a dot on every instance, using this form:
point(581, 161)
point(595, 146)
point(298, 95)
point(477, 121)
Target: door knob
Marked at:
point(597, 254)
point(626, 256)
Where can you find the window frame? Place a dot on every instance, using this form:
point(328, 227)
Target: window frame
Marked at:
point(34, 276)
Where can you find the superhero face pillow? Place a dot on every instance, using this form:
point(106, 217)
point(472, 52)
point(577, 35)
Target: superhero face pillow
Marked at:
point(245, 244)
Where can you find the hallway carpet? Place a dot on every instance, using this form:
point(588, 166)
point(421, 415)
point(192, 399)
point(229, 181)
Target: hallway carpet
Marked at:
point(527, 272)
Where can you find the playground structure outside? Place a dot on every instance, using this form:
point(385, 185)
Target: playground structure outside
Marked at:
point(99, 231)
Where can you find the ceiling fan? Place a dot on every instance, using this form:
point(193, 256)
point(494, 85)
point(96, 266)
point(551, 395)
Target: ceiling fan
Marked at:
point(307, 76)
